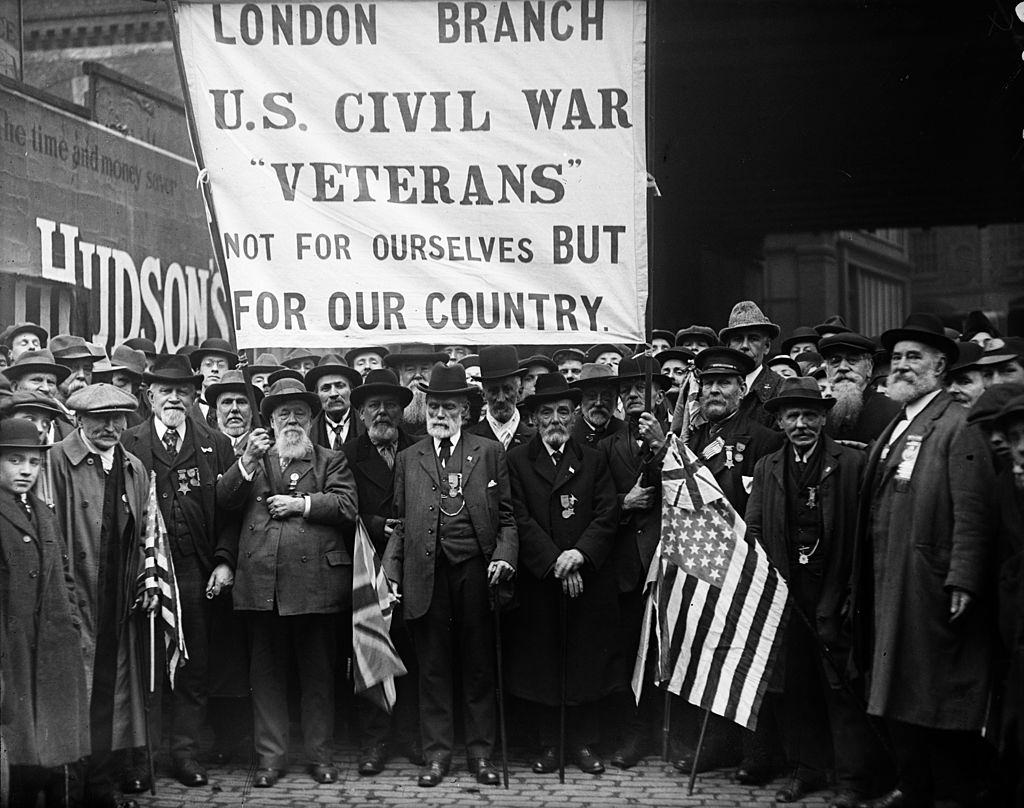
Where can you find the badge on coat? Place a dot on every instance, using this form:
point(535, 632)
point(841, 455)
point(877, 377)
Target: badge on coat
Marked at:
point(908, 459)
point(187, 480)
point(713, 448)
point(454, 485)
point(293, 482)
point(569, 505)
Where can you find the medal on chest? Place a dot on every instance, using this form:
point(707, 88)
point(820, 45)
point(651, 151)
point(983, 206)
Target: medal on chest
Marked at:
point(454, 484)
point(738, 454)
point(187, 480)
point(812, 496)
point(729, 457)
point(908, 459)
point(713, 448)
point(568, 505)
point(293, 482)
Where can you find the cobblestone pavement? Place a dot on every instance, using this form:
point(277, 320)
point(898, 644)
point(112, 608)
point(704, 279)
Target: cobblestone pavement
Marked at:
point(652, 783)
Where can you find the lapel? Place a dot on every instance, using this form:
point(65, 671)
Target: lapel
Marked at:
point(295, 471)
point(472, 446)
point(569, 467)
point(543, 465)
point(830, 459)
point(778, 466)
point(428, 460)
point(15, 514)
point(371, 464)
point(187, 450)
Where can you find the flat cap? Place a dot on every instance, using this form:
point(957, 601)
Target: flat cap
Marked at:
point(102, 397)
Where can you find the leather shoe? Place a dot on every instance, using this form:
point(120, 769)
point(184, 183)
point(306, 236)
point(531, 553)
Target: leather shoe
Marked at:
point(846, 798)
point(265, 778)
point(546, 762)
point(485, 771)
point(797, 788)
point(433, 774)
point(629, 754)
point(190, 773)
point(588, 762)
point(753, 775)
point(324, 772)
point(135, 781)
point(372, 760)
point(897, 798)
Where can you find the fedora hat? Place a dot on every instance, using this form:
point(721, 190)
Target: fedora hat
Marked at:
point(661, 333)
point(538, 359)
point(69, 346)
point(172, 368)
point(747, 314)
point(352, 353)
point(381, 382)
point(1012, 348)
point(17, 433)
point(832, 325)
point(704, 332)
point(499, 362)
point(635, 367)
point(447, 380)
point(332, 365)
point(594, 375)
point(33, 400)
point(122, 360)
point(297, 355)
point(413, 352)
point(9, 333)
point(723, 362)
point(231, 382)
point(285, 373)
point(265, 363)
point(101, 398)
point(978, 323)
point(552, 387)
point(288, 389)
point(799, 392)
point(214, 346)
point(802, 334)
point(40, 361)
point(968, 354)
point(601, 348)
point(147, 346)
point(925, 328)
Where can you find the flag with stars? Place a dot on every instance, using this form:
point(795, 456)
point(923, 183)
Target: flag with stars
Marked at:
point(714, 605)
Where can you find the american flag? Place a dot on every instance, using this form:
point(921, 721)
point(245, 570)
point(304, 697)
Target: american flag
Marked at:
point(376, 663)
point(714, 604)
point(158, 578)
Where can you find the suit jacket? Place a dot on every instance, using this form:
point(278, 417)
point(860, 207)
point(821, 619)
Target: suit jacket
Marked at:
point(204, 449)
point(582, 433)
point(302, 563)
point(765, 386)
point(375, 483)
point(877, 411)
point(318, 430)
point(522, 434)
point(411, 551)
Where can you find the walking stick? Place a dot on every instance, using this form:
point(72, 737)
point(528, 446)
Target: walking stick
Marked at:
point(149, 701)
point(666, 724)
point(500, 680)
point(563, 619)
point(696, 752)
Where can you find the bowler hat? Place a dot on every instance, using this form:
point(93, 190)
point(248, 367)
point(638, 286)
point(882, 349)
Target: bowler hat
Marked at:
point(800, 391)
point(538, 359)
point(9, 333)
point(681, 354)
point(603, 347)
point(332, 365)
point(101, 398)
point(636, 367)
point(832, 325)
point(288, 390)
point(552, 387)
point(352, 353)
point(596, 375)
point(447, 380)
point(214, 346)
point(17, 433)
point(703, 332)
point(802, 334)
point(40, 361)
point(747, 314)
point(470, 361)
point(265, 363)
point(380, 382)
point(413, 352)
point(846, 341)
point(968, 354)
point(173, 369)
point(925, 328)
point(499, 362)
point(723, 362)
point(285, 373)
point(231, 382)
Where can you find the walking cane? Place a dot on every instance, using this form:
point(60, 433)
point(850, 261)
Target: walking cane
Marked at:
point(501, 685)
point(696, 753)
point(149, 700)
point(563, 619)
point(666, 724)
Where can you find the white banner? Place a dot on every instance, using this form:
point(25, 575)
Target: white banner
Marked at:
point(450, 172)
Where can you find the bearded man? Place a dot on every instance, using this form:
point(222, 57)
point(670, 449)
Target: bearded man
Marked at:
point(923, 555)
point(860, 412)
point(455, 537)
point(412, 362)
point(595, 420)
point(293, 574)
point(501, 378)
point(965, 380)
point(77, 356)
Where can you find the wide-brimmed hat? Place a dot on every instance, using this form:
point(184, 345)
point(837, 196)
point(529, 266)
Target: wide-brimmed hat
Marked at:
point(172, 369)
point(332, 365)
point(635, 367)
point(978, 323)
point(559, 355)
point(720, 361)
point(33, 400)
point(147, 346)
point(40, 361)
point(799, 392)
point(680, 354)
point(470, 361)
point(595, 351)
point(69, 347)
point(664, 334)
point(231, 382)
point(968, 354)
point(288, 390)
point(214, 346)
point(832, 325)
point(499, 362)
point(539, 359)
point(297, 355)
point(747, 314)
point(596, 374)
point(122, 360)
point(1012, 348)
point(849, 341)
point(787, 360)
point(413, 352)
point(9, 333)
point(265, 363)
point(285, 373)
point(992, 401)
point(802, 334)
point(447, 380)
point(380, 382)
point(102, 398)
point(704, 332)
point(925, 328)
point(552, 387)
point(352, 353)
point(17, 433)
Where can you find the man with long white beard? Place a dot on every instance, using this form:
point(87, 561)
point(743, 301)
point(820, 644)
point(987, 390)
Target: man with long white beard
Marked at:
point(923, 631)
point(293, 574)
point(412, 362)
point(502, 379)
point(187, 459)
point(596, 419)
point(456, 537)
point(860, 412)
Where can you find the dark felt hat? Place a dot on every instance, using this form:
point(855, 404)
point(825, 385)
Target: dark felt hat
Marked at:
point(596, 375)
point(447, 380)
point(172, 369)
point(552, 387)
point(147, 346)
point(36, 362)
point(992, 401)
point(787, 360)
point(230, 382)
point(560, 355)
point(704, 332)
point(538, 359)
point(297, 355)
point(288, 390)
point(978, 323)
point(723, 362)
point(332, 365)
point(265, 363)
point(214, 346)
point(802, 334)
point(799, 392)
point(9, 333)
point(635, 367)
point(470, 361)
point(832, 325)
point(664, 334)
point(122, 360)
point(968, 354)
point(33, 400)
point(284, 373)
point(499, 362)
point(17, 433)
point(681, 354)
point(846, 341)
point(603, 347)
point(102, 398)
point(925, 328)
point(413, 352)
point(352, 353)
point(1012, 348)
point(1012, 410)
point(69, 347)
point(382, 382)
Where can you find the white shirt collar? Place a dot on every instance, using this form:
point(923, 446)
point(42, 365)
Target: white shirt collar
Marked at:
point(504, 432)
point(551, 449)
point(805, 456)
point(162, 429)
point(916, 407)
point(454, 439)
point(752, 377)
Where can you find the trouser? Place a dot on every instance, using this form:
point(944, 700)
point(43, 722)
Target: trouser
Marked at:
point(938, 764)
point(374, 726)
point(274, 640)
point(27, 782)
point(458, 629)
point(581, 725)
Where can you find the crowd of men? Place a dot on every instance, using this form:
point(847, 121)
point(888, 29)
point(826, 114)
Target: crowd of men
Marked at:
point(883, 475)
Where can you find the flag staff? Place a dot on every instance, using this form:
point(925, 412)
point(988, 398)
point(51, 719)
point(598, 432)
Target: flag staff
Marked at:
point(696, 752)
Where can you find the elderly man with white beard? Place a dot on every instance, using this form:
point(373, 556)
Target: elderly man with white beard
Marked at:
point(411, 363)
point(860, 412)
point(922, 602)
point(293, 574)
point(595, 420)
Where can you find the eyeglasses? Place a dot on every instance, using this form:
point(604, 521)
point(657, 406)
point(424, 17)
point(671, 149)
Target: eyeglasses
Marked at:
point(836, 359)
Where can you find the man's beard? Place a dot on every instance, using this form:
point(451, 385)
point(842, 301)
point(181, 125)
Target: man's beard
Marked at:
point(416, 411)
point(382, 431)
point(172, 418)
point(719, 408)
point(555, 435)
point(441, 426)
point(293, 443)
point(232, 426)
point(904, 391)
point(849, 403)
point(598, 415)
point(501, 411)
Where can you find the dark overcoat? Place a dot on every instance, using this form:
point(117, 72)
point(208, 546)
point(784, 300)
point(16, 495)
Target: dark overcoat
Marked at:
point(877, 410)
point(584, 434)
point(918, 539)
point(44, 705)
point(375, 483)
point(766, 520)
point(410, 555)
point(303, 564)
point(571, 507)
point(766, 386)
point(318, 430)
point(522, 434)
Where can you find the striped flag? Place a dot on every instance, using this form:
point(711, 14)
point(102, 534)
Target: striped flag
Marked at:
point(714, 605)
point(158, 578)
point(376, 663)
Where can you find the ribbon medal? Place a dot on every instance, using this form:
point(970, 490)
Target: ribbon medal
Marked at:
point(812, 498)
point(454, 485)
point(909, 458)
point(293, 481)
point(568, 505)
point(187, 480)
point(713, 448)
point(729, 457)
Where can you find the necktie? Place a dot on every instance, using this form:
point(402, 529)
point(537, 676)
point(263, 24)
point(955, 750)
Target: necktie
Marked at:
point(556, 456)
point(446, 451)
point(337, 429)
point(387, 451)
point(211, 417)
point(23, 501)
point(171, 442)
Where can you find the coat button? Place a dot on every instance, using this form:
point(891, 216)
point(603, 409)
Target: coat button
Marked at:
point(164, 495)
point(433, 488)
point(33, 574)
point(428, 552)
point(85, 504)
point(304, 559)
point(259, 499)
point(82, 554)
point(89, 461)
point(431, 507)
point(26, 538)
